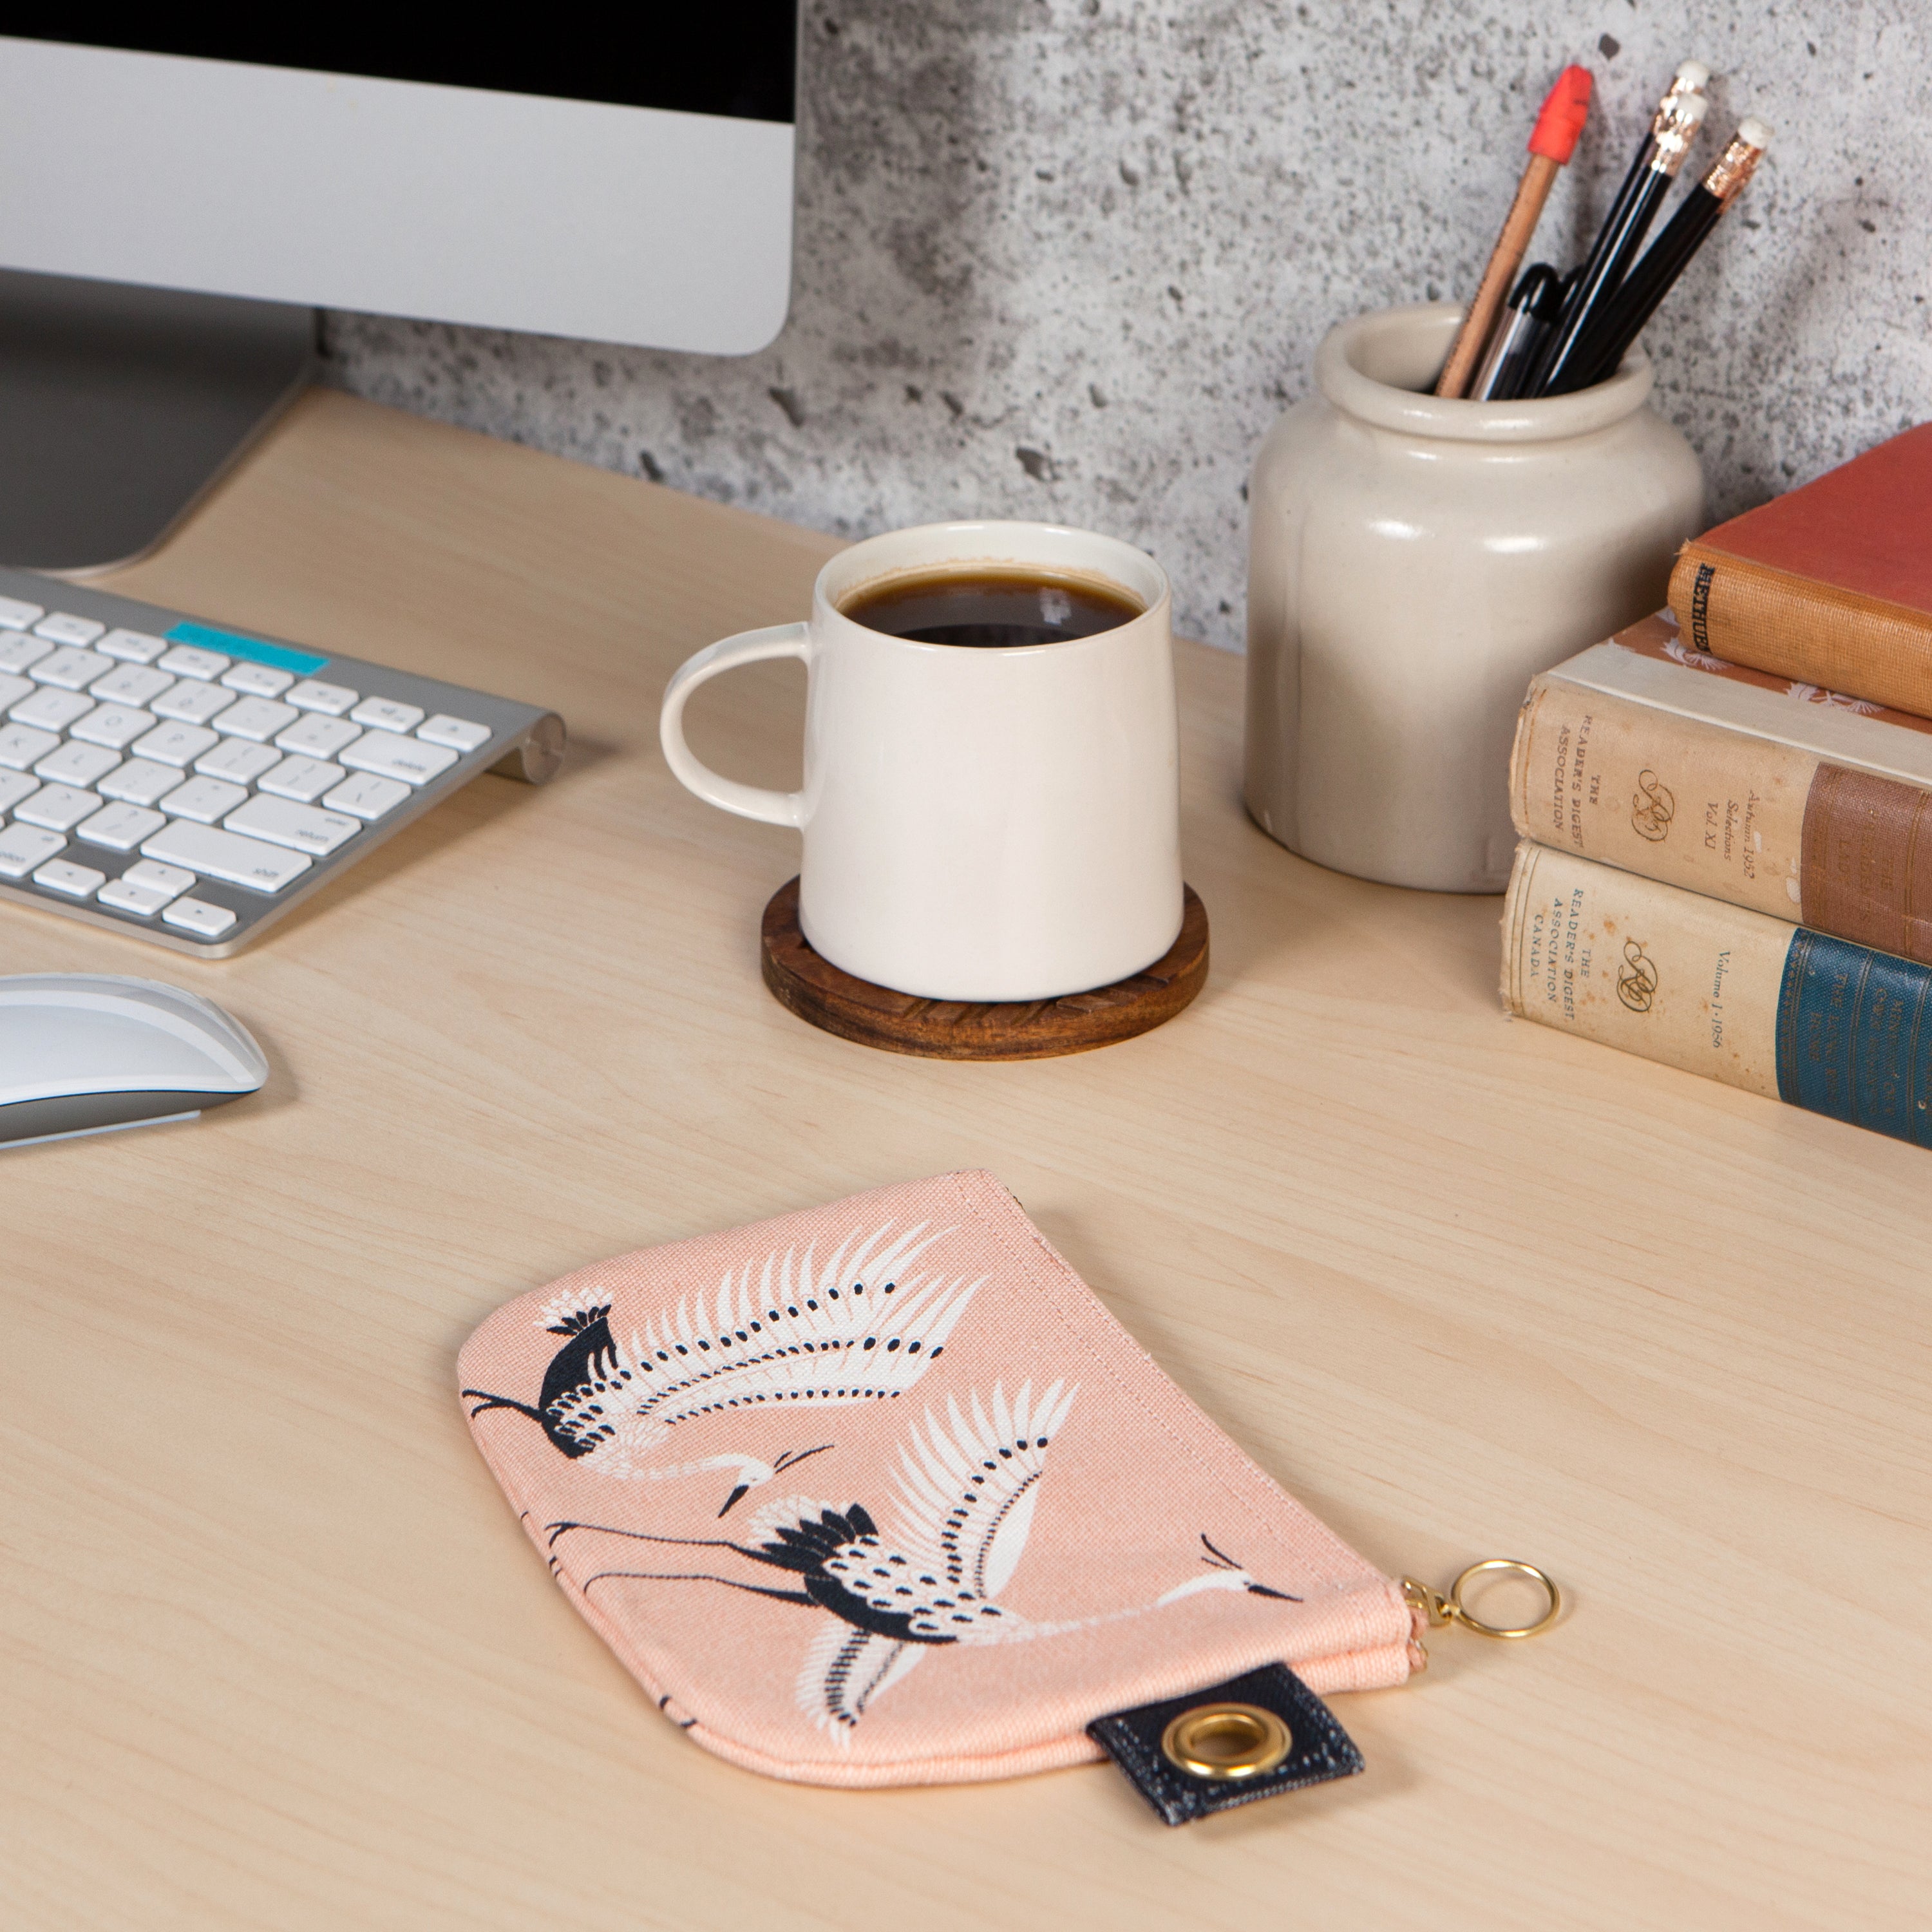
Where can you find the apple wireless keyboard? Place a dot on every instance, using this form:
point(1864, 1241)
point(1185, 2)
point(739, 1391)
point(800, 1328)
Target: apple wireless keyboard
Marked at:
point(189, 785)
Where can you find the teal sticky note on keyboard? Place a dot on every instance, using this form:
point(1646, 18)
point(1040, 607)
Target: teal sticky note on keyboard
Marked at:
point(304, 664)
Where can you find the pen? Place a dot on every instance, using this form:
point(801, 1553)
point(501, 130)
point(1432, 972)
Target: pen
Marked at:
point(1620, 323)
point(1519, 382)
point(1658, 156)
point(1534, 306)
point(1552, 142)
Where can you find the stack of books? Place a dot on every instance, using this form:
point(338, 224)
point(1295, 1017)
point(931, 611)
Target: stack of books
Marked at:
point(1725, 810)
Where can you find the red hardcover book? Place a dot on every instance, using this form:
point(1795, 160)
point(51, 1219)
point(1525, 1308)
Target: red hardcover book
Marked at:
point(1830, 584)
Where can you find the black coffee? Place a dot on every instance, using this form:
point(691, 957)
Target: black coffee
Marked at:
point(991, 609)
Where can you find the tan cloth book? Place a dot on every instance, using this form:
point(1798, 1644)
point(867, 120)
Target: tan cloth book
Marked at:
point(1795, 802)
point(1737, 996)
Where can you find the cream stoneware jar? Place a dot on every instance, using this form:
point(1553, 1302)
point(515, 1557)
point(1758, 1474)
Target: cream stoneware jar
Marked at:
point(1413, 562)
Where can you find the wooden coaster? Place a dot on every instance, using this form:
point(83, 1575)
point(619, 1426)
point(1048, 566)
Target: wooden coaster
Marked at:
point(818, 990)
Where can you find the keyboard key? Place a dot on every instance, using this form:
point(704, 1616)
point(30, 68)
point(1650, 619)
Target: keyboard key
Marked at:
point(256, 680)
point(176, 744)
point(257, 718)
point(169, 879)
point(313, 695)
point(386, 715)
point(17, 616)
point(203, 800)
point(304, 780)
point(59, 627)
point(24, 847)
point(198, 917)
point(14, 786)
point(130, 684)
point(124, 895)
point(318, 737)
point(116, 725)
point(226, 855)
point(390, 756)
point(301, 827)
point(190, 661)
point(120, 827)
point(237, 759)
point(132, 646)
point(139, 782)
point(71, 881)
point(52, 708)
point(13, 689)
point(367, 796)
point(58, 807)
point(77, 764)
point(193, 703)
point(460, 734)
point(21, 745)
point(17, 651)
point(72, 670)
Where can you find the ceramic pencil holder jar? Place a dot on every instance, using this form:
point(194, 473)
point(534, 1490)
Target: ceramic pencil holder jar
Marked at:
point(1413, 562)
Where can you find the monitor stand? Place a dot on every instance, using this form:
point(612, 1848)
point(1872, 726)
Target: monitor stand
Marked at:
point(119, 406)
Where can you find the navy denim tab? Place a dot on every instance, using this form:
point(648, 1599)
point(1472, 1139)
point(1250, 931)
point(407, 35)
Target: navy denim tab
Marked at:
point(1321, 1749)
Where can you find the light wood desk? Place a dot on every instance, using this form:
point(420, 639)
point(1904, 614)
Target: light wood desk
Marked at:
point(273, 1653)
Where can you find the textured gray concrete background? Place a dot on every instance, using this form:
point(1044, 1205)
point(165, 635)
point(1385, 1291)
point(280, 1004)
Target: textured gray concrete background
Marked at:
point(1070, 258)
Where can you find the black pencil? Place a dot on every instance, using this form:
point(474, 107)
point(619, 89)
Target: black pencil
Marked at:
point(1619, 324)
point(1658, 157)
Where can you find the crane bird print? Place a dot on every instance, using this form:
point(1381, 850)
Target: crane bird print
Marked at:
point(855, 1327)
point(966, 1485)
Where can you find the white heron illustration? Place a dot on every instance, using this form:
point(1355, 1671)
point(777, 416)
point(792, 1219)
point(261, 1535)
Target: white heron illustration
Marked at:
point(798, 1333)
point(967, 1485)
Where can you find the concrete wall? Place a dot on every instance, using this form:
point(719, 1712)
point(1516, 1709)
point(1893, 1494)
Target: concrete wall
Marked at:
point(1070, 258)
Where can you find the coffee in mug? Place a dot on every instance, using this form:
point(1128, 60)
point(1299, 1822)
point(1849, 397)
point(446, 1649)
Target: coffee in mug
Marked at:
point(991, 609)
point(991, 807)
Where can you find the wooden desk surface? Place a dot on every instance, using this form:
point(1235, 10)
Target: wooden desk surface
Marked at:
point(274, 1653)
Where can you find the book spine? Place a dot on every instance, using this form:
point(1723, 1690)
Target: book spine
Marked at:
point(1795, 627)
point(1713, 809)
point(1756, 1002)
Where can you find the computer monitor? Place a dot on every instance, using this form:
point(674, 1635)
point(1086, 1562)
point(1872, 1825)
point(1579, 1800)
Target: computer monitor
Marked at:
point(625, 178)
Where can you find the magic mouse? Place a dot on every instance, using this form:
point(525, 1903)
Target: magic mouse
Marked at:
point(84, 1053)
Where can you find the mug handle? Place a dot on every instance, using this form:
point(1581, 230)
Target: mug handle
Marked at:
point(770, 808)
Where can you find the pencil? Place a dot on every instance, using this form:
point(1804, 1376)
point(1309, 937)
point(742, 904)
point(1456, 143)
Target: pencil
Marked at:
point(1604, 347)
point(1552, 142)
point(1629, 217)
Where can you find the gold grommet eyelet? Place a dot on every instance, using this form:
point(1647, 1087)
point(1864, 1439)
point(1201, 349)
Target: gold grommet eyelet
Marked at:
point(1223, 1742)
point(1504, 1566)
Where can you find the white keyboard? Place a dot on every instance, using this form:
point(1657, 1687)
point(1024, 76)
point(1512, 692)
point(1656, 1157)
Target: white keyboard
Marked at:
point(190, 784)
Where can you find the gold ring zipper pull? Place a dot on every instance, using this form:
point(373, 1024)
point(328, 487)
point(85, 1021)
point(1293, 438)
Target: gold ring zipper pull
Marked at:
point(1438, 1608)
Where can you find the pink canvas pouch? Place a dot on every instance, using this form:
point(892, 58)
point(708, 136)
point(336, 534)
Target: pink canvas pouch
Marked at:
point(880, 1494)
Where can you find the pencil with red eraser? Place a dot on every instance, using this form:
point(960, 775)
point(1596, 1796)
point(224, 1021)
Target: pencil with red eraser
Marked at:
point(1551, 144)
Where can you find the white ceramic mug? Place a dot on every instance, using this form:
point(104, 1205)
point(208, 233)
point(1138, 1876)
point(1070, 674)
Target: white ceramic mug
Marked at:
point(979, 823)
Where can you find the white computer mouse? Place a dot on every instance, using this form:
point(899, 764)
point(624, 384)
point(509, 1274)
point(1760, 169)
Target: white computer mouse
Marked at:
point(84, 1053)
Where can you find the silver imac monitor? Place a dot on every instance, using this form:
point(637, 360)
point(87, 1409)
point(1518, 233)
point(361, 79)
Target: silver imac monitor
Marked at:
point(175, 201)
